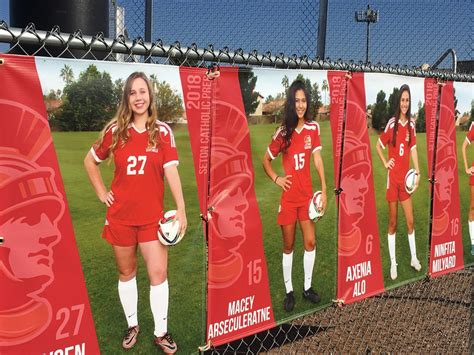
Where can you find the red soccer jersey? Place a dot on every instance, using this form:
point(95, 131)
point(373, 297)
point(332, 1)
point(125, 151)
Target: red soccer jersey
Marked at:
point(470, 135)
point(401, 151)
point(297, 160)
point(138, 183)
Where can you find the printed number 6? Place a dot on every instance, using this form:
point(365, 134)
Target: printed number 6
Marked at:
point(401, 149)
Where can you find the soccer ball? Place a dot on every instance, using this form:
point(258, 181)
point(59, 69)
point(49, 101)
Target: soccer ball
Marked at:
point(410, 180)
point(168, 233)
point(315, 211)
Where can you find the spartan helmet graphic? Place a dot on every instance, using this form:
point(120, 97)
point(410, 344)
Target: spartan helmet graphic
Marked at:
point(445, 170)
point(356, 170)
point(231, 180)
point(30, 209)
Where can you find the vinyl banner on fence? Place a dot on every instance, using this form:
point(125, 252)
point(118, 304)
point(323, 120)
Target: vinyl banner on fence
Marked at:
point(359, 272)
point(254, 146)
point(44, 306)
point(238, 297)
point(446, 249)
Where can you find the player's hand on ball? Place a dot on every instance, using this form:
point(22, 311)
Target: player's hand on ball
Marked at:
point(181, 218)
point(284, 182)
point(417, 180)
point(323, 201)
point(107, 198)
point(390, 164)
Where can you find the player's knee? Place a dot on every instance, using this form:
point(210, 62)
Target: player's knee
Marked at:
point(392, 226)
point(127, 274)
point(309, 245)
point(158, 276)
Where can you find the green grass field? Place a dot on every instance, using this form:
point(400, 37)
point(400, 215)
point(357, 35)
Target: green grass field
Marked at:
point(187, 260)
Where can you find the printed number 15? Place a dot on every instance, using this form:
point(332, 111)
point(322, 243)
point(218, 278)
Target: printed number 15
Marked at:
point(299, 161)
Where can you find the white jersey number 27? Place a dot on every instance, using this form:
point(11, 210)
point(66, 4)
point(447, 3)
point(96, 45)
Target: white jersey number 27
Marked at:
point(134, 162)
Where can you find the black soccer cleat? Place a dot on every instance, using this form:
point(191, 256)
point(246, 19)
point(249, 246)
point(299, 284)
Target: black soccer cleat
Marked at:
point(312, 296)
point(289, 302)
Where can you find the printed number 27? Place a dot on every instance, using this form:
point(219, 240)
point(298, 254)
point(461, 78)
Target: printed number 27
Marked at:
point(132, 165)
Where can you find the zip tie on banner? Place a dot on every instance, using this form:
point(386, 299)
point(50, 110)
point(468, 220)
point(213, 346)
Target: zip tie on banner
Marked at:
point(338, 303)
point(205, 347)
point(1, 240)
point(2, 61)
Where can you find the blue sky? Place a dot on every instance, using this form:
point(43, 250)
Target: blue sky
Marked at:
point(409, 32)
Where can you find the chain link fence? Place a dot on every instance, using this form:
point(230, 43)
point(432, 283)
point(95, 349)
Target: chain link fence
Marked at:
point(433, 315)
point(406, 33)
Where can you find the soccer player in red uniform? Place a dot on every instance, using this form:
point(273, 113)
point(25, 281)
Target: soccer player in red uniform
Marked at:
point(144, 152)
point(298, 142)
point(470, 172)
point(400, 138)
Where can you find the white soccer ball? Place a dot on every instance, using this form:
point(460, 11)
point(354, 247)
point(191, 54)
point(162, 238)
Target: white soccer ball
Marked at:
point(168, 233)
point(315, 210)
point(410, 180)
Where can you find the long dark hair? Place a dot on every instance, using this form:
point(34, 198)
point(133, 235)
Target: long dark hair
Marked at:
point(403, 88)
point(290, 119)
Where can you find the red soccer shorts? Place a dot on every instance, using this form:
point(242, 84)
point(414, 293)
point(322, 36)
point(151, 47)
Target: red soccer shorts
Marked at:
point(396, 191)
point(125, 236)
point(290, 212)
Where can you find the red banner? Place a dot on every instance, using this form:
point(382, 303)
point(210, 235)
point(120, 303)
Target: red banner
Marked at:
point(446, 250)
point(238, 299)
point(359, 265)
point(44, 306)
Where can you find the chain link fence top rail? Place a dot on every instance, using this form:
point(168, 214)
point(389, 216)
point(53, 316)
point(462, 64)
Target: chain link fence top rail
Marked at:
point(53, 43)
point(407, 32)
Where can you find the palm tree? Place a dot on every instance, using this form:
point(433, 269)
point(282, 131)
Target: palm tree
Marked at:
point(67, 74)
point(325, 88)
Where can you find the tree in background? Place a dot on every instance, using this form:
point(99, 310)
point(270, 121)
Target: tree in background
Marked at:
point(325, 89)
point(379, 112)
point(248, 80)
point(118, 91)
point(393, 102)
point(88, 102)
point(286, 84)
point(67, 74)
point(168, 101)
point(421, 119)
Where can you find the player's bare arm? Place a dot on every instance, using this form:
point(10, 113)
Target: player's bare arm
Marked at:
point(319, 165)
point(414, 158)
point(283, 181)
point(467, 169)
point(174, 182)
point(388, 165)
point(95, 177)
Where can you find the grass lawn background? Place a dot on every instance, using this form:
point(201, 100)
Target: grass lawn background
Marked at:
point(186, 269)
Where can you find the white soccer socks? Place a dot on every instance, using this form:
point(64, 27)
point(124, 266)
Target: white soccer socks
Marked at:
point(393, 260)
point(287, 263)
point(308, 265)
point(128, 295)
point(471, 231)
point(415, 263)
point(159, 295)
point(471, 234)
